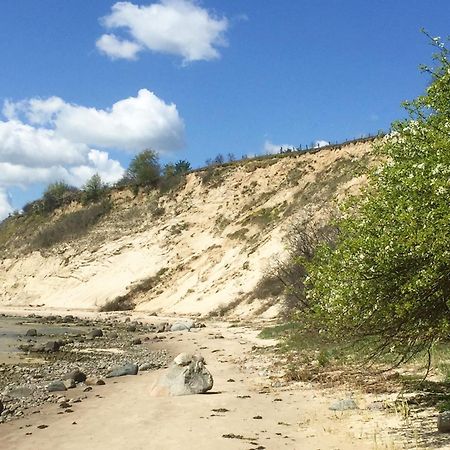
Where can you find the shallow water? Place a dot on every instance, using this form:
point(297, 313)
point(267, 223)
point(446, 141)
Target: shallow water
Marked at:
point(12, 334)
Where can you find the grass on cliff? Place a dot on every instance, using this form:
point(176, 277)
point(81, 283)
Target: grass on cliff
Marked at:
point(70, 226)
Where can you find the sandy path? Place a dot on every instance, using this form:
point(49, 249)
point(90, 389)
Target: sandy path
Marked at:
point(125, 414)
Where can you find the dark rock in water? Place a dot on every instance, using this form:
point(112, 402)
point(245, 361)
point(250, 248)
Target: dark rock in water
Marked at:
point(52, 346)
point(31, 332)
point(126, 369)
point(95, 333)
point(76, 375)
point(443, 422)
point(56, 386)
point(187, 375)
point(136, 341)
point(26, 347)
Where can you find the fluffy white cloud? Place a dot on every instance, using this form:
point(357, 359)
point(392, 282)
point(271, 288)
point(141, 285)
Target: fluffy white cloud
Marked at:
point(5, 205)
point(177, 27)
point(46, 140)
point(25, 144)
point(320, 143)
point(97, 162)
point(132, 124)
point(118, 48)
point(271, 149)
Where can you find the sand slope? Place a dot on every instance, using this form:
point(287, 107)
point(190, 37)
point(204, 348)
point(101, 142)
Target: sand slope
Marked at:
point(206, 247)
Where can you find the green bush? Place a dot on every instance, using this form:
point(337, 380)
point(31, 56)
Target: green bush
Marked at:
point(94, 190)
point(58, 194)
point(144, 170)
point(388, 278)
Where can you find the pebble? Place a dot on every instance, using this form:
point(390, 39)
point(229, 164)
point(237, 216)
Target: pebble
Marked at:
point(30, 386)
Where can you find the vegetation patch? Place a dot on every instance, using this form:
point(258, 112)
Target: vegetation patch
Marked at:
point(238, 234)
point(70, 226)
point(262, 217)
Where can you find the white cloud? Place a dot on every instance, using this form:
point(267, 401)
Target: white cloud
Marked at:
point(25, 144)
point(320, 143)
point(177, 27)
point(99, 162)
point(270, 148)
point(132, 124)
point(47, 140)
point(5, 204)
point(118, 48)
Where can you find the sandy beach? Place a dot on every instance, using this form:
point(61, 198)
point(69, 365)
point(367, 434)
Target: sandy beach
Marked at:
point(248, 407)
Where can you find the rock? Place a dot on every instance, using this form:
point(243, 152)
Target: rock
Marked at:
point(344, 405)
point(162, 327)
point(76, 375)
point(179, 326)
point(20, 391)
point(56, 386)
point(183, 359)
point(443, 422)
point(1, 407)
point(69, 383)
point(52, 346)
point(95, 333)
point(31, 332)
point(136, 341)
point(131, 328)
point(93, 381)
point(126, 369)
point(146, 366)
point(192, 378)
point(113, 335)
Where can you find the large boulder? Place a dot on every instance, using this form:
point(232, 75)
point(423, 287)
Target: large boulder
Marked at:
point(126, 369)
point(56, 386)
point(76, 375)
point(186, 376)
point(186, 325)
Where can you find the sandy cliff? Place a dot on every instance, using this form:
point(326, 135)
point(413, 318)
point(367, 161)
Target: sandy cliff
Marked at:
point(195, 251)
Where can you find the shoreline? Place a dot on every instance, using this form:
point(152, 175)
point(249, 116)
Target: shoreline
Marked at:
point(250, 407)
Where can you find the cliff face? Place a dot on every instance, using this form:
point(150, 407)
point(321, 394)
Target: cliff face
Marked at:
point(197, 250)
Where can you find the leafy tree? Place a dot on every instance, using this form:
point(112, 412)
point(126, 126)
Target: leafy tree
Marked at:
point(57, 194)
point(182, 167)
point(387, 280)
point(144, 170)
point(173, 175)
point(94, 189)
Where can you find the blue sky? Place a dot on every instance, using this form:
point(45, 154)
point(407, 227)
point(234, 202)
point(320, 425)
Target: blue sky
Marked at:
point(84, 85)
